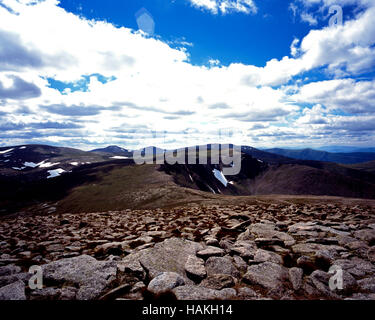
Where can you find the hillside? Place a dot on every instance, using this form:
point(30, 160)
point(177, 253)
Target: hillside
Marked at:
point(90, 181)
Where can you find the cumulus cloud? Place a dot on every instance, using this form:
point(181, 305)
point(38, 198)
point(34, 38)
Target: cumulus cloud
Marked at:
point(18, 89)
point(226, 6)
point(154, 86)
point(348, 95)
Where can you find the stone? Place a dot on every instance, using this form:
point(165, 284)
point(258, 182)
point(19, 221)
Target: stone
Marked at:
point(266, 242)
point(221, 265)
point(218, 281)
point(130, 265)
point(92, 276)
point(140, 241)
point(320, 279)
point(306, 263)
point(267, 231)
point(246, 293)
point(168, 256)
point(307, 248)
point(357, 267)
point(112, 248)
point(367, 235)
point(263, 256)
point(295, 277)
point(269, 275)
point(45, 294)
point(9, 270)
point(210, 252)
point(164, 282)
point(5, 280)
point(190, 292)
point(367, 285)
point(240, 264)
point(195, 269)
point(371, 254)
point(13, 291)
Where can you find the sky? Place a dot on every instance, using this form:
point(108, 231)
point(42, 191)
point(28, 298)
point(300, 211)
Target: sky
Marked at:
point(173, 73)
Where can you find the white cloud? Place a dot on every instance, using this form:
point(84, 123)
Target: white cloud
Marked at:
point(226, 6)
point(155, 87)
point(309, 18)
point(347, 95)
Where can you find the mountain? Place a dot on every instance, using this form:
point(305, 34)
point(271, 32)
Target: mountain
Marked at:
point(345, 149)
point(366, 166)
point(114, 150)
point(39, 178)
point(311, 154)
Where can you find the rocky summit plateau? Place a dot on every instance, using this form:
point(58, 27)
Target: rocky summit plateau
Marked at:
point(253, 248)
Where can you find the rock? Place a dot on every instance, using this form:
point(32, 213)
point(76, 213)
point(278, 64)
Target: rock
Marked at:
point(190, 292)
point(55, 248)
point(92, 276)
point(269, 275)
point(371, 254)
point(246, 293)
point(221, 265)
point(5, 280)
point(240, 264)
point(130, 265)
point(263, 256)
point(218, 281)
point(13, 291)
point(226, 244)
point(210, 252)
point(68, 293)
point(308, 248)
point(165, 282)
point(168, 256)
point(195, 269)
point(45, 294)
point(367, 235)
point(324, 259)
point(367, 285)
point(266, 242)
point(112, 248)
point(357, 267)
point(212, 242)
point(349, 284)
point(140, 241)
point(320, 279)
point(267, 231)
point(295, 277)
point(9, 270)
point(307, 264)
point(112, 294)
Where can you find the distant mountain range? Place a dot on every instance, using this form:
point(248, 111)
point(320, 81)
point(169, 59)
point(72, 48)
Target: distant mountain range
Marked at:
point(54, 179)
point(311, 154)
point(345, 149)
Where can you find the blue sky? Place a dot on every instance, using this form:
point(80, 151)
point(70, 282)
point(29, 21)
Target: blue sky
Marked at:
point(182, 72)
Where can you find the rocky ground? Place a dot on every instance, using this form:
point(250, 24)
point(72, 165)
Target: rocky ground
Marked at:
point(278, 250)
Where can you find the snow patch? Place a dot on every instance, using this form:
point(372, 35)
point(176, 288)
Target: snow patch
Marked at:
point(219, 176)
point(212, 190)
point(30, 164)
point(74, 163)
point(119, 157)
point(44, 164)
point(6, 151)
point(21, 148)
point(55, 173)
point(19, 169)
